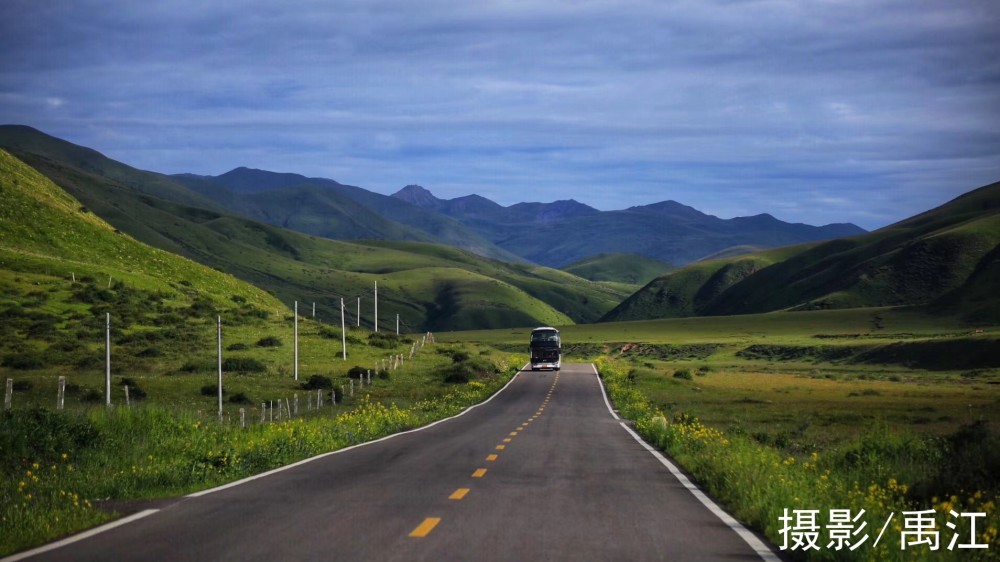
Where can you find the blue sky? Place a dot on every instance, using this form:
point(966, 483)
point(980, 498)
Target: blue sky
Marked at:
point(864, 111)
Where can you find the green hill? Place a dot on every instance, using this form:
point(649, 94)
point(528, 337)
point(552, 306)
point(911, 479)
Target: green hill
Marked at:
point(43, 230)
point(692, 290)
point(945, 256)
point(62, 269)
point(295, 266)
point(631, 269)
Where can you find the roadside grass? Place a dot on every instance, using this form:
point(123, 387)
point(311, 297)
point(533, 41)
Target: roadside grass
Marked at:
point(878, 475)
point(67, 470)
point(63, 471)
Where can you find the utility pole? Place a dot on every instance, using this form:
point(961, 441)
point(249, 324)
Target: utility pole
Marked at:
point(296, 367)
point(107, 360)
point(220, 368)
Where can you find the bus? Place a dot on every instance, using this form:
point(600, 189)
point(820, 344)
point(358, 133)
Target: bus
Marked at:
point(545, 348)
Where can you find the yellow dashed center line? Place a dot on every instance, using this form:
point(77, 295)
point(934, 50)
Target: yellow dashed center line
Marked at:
point(430, 523)
point(425, 528)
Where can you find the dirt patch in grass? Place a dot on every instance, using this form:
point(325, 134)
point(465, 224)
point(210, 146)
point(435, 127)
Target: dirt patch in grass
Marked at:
point(667, 352)
point(830, 353)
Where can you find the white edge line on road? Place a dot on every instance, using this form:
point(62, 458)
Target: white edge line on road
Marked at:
point(126, 520)
point(751, 539)
point(80, 536)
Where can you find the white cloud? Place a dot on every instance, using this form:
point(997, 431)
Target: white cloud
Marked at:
point(731, 107)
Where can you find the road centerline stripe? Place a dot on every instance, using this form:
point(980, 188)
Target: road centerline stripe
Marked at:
point(425, 527)
point(458, 494)
point(492, 458)
point(479, 473)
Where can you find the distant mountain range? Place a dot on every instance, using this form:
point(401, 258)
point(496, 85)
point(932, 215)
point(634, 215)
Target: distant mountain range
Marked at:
point(562, 232)
point(552, 234)
point(278, 232)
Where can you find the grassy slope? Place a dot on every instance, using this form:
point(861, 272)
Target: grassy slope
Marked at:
point(631, 269)
point(44, 230)
point(912, 262)
point(579, 299)
point(295, 266)
point(690, 290)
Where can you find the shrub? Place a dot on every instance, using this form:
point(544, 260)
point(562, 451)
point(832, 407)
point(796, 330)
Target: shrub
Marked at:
point(201, 307)
point(269, 341)
point(386, 340)
point(135, 392)
point(92, 395)
point(457, 373)
point(190, 367)
point(356, 372)
point(329, 333)
point(150, 352)
point(243, 365)
point(39, 434)
point(237, 347)
point(465, 371)
point(383, 374)
point(240, 398)
point(683, 374)
point(22, 386)
point(456, 355)
point(24, 361)
point(317, 381)
point(211, 390)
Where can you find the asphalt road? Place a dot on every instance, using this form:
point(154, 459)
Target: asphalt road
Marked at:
point(543, 471)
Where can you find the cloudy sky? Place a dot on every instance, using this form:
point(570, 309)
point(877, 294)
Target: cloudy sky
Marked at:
point(817, 111)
